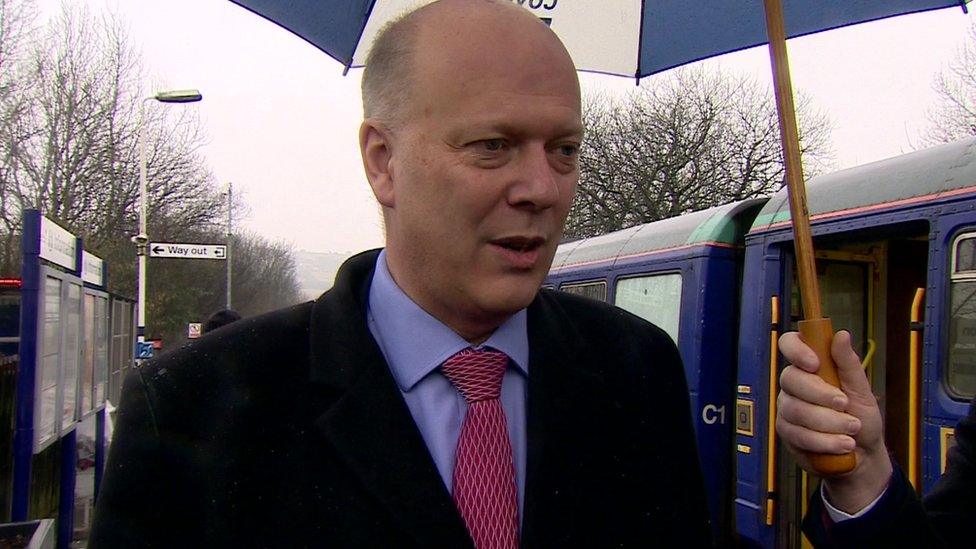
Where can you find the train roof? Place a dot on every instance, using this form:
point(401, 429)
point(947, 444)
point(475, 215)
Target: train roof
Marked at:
point(928, 174)
point(722, 225)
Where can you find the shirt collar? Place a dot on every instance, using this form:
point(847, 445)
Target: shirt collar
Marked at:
point(415, 343)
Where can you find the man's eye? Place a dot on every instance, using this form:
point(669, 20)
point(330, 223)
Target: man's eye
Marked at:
point(492, 145)
point(568, 150)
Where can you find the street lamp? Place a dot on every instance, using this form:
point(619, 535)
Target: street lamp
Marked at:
point(230, 235)
point(141, 240)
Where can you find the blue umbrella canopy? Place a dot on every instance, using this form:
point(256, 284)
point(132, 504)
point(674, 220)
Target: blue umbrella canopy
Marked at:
point(629, 38)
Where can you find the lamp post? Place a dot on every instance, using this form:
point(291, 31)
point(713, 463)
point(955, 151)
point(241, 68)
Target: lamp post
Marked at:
point(230, 234)
point(141, 240)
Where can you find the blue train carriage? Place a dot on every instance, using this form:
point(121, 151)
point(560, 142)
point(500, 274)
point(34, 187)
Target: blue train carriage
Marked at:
point(896, 262)
point(682, 274)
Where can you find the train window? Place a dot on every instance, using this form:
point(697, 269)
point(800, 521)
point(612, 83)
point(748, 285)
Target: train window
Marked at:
point(592, 290)
point(961, 373)
point(655, 298)
point(964, 254)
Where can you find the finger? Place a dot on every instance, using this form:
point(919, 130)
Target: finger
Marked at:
point(797, 352)
point(852, 376)
point(816, 418)
point(810, 388)
point(810, 441)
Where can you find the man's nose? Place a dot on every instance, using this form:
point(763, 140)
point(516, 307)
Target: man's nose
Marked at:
point(536, 185)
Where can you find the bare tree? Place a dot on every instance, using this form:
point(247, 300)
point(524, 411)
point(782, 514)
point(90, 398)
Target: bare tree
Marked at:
point(189, 290)
point(265, 275)
point(683, 142)
point(954, 115)
point(17, 22)
point(70, 146)
point(70, 98)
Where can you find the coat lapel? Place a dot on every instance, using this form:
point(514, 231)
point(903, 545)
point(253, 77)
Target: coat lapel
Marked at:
point(369, 424)
point(560, 395)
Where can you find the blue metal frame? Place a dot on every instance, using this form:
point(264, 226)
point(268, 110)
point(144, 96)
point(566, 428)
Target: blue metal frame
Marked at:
point(32, 275)
point(69, 441)
point(66, 501)
point(100, 449)
point(24, 433)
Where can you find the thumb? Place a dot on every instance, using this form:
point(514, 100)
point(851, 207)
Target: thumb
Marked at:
point(853, 379)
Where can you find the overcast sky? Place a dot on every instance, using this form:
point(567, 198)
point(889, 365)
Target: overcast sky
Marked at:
point(282, 121)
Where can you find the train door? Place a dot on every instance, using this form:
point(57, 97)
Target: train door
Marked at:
point(866, 289)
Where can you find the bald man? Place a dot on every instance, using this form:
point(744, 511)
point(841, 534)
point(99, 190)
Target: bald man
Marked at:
point(434, 397)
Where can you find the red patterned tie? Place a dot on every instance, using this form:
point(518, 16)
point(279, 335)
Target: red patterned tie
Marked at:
point(484, 475)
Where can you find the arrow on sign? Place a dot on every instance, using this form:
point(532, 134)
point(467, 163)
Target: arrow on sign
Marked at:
point(219, 252)
point(158, 249)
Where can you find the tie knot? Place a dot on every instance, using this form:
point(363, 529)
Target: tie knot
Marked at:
point(477, 374)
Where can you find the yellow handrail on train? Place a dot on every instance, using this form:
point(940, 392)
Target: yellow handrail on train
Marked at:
point(914, 355)
point(870, 355)
point(771, 417)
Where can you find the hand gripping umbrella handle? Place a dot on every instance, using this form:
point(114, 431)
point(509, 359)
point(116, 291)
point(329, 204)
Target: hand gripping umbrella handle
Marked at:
point(817, 333)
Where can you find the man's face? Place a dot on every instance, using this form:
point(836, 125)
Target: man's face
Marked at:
point(484, 170)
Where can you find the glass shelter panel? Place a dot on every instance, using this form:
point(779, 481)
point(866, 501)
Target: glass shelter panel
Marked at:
point(655, 298)
point(115, 368)
point(72, 355)
point(121, 351)
point(88, 357)
point(101, 349)
point(50, 362)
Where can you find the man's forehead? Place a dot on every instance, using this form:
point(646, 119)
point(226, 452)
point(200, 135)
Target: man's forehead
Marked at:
point(460, 30)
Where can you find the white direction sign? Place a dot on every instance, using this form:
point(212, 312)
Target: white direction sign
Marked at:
point(188, 251)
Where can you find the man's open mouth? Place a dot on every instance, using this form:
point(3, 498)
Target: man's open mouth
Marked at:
point(519, 243)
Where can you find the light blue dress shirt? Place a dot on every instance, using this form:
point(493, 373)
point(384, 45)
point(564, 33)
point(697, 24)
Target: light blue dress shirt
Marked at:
point(415, 344)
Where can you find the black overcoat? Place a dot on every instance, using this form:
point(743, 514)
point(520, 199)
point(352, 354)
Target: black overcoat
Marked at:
point(946, 517)
point(288, 430)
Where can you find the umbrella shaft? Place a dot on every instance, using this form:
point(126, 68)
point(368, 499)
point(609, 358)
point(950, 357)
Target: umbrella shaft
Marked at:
point(806, 269)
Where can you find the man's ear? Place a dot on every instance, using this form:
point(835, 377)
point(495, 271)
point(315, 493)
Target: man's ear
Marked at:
point(376, 148)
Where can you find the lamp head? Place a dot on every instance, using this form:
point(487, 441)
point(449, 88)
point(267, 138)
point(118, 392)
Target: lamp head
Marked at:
point(178, 96)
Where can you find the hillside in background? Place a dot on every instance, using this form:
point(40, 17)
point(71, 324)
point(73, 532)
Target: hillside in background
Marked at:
point(317, 270)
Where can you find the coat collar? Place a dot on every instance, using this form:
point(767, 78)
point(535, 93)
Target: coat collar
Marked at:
point(560, 395)
point(370, 425)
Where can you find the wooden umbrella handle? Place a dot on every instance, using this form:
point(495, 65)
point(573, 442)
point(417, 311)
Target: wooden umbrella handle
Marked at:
point(815, 331)
point(818, 333)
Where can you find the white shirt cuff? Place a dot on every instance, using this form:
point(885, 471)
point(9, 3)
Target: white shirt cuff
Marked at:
point(837, 515)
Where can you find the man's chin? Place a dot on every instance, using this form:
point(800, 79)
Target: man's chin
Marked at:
point(509, 300)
